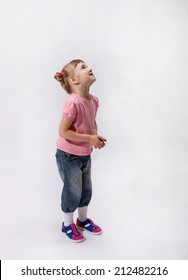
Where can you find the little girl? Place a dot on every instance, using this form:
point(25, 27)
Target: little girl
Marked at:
point(77, 137)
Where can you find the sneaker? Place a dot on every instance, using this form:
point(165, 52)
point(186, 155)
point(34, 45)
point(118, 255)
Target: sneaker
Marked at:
point(72, 233)
point(89, 226)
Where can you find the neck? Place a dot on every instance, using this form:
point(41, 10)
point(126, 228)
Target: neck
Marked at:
point(82, 91)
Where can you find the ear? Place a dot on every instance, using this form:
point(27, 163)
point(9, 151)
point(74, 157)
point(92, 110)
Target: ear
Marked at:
point(74, 80)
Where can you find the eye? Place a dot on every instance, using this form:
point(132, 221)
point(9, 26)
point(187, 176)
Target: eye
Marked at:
point(84, 66)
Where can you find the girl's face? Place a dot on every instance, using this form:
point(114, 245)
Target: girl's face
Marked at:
point(84, 74)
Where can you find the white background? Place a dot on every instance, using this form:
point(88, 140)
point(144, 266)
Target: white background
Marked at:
point(138, 52)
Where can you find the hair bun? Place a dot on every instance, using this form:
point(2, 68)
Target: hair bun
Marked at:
point(59, 76)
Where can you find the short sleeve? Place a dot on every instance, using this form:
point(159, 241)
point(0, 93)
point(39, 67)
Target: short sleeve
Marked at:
point(70, 110)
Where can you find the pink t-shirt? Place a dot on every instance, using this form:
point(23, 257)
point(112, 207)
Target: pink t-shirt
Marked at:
point(82, 113)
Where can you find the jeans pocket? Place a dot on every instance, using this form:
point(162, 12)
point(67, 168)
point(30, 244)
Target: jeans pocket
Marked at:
point(66, 155)
point(70, 157)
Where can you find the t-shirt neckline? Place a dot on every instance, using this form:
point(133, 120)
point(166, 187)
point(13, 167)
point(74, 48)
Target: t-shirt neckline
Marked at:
point(82, 98)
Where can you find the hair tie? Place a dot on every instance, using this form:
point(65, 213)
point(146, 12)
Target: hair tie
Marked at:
point(60, 74)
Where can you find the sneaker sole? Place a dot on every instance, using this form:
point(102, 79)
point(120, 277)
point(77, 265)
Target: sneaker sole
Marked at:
point(75, 241)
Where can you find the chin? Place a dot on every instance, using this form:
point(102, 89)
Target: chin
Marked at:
point(92, 81)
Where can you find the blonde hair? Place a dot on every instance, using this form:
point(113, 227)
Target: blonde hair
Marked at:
point(65, 73)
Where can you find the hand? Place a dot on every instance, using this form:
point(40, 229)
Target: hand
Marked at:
point(97, 141)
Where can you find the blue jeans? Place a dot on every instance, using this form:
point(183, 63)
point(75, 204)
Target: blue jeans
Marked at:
point(75, 172)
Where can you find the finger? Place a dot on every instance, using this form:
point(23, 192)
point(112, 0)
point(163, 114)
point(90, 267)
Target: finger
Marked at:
point(102, 139)
point(101, 145)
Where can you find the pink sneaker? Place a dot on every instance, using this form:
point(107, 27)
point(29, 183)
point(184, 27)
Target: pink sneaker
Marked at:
point(72, 233)
point(89, 226)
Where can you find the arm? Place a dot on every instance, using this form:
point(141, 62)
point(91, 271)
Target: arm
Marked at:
point(95, 128)
point(65, 132)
